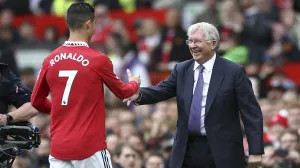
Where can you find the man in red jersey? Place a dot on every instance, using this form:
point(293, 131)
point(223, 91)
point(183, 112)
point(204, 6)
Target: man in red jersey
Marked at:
point(74, 75)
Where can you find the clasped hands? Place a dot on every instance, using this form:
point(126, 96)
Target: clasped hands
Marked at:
point(136, 95)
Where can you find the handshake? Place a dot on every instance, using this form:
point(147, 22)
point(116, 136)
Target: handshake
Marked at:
point(137, 94)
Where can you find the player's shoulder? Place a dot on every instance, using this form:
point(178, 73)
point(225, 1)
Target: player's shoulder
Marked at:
point(95, 53)
point(52, 55)
point(96, 56)
point(55, 52)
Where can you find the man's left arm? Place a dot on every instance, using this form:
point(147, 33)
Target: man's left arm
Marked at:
point(250, 113)
point(19, 96)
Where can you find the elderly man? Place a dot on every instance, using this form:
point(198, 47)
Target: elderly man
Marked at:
point(212, 93)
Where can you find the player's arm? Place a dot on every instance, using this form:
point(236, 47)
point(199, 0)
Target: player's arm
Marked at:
point(40, 92)
point(121, 89)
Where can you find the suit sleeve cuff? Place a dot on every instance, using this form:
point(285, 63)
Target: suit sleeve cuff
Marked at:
point(136, 102)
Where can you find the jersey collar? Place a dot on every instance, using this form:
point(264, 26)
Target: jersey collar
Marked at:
point(75, 43)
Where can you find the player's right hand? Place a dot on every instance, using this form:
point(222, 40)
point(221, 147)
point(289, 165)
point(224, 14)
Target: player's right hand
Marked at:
point(133, 78)
point(132, 98)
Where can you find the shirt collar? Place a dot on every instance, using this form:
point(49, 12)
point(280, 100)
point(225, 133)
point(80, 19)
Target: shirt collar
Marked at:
point(75, 43)
point(208, 65)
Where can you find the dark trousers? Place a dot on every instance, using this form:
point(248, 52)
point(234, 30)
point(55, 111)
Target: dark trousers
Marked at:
point(198, 153)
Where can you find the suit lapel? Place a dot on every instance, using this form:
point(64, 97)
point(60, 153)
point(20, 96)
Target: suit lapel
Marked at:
point(189, 84)
point(217, 76)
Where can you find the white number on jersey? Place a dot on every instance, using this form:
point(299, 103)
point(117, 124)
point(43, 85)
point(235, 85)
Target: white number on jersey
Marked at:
point(71, 76)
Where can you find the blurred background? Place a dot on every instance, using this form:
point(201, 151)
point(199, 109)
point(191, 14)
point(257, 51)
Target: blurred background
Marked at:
point(148, 37)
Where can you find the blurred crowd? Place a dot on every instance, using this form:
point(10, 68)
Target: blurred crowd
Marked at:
point(262, 35)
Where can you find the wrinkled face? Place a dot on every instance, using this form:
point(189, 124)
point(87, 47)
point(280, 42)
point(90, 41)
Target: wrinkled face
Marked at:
point(201, 48)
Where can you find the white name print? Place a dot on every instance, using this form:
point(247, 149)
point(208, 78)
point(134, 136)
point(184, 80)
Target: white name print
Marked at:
point(71, 56)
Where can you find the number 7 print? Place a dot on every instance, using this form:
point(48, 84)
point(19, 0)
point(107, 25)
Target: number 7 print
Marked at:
point(71, 76)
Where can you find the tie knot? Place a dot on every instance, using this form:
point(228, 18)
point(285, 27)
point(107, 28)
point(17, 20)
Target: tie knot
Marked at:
point(201, 68)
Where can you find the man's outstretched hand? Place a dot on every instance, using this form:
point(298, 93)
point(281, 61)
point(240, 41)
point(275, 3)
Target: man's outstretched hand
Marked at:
point(136, 95)
point(133, 78)
point(132, 98)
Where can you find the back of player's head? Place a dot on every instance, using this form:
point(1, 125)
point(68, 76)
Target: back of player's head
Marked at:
point(78, 14)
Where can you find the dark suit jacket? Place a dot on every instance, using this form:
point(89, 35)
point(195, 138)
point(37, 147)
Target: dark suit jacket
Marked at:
point(230, 96)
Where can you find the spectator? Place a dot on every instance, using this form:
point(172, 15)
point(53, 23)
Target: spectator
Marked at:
point(231, 25)
point(104, 24)
point(40, 6)
point(6, 21)
point(50, 35)
point(172, 47)
point(28, 77)
point(125, 156)
point(287, 155)
point(155, 161)
point(256, 34)
point(112, 142)
point(211, 13)
point(27, 33)
point(8, 56)
point(151, 38)
point(294, 116)
point(130, 60)
point(136, 141)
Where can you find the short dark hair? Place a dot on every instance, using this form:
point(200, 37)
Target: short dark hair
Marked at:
point(119, 149)
point(157, 154)
point(28, 71)
point(78, 13)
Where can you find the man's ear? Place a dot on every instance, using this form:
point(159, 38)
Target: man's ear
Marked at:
point(88, 24)
point(213, 44)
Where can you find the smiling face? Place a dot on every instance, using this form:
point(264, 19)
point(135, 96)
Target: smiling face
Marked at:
point(201, 48)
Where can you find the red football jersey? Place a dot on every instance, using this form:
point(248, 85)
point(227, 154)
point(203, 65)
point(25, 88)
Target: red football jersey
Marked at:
point(74, 75)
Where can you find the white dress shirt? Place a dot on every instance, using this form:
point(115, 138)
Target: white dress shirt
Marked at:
point(208, 67)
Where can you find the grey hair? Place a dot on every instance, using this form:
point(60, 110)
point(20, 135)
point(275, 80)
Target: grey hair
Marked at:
point(210, 31)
